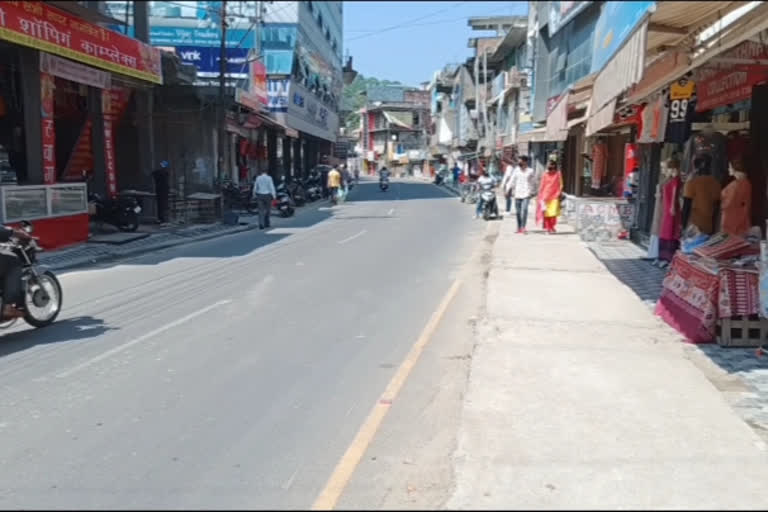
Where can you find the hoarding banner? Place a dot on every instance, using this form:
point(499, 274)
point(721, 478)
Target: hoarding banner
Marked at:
point(207, 59)
point(187, 36)
point(40, 26)
point(717, 87)
point(277, 94)
point(728, 87)
point(616, 23)
point(561, 13)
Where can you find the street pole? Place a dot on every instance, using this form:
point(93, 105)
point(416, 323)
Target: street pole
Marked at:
point(222, 116)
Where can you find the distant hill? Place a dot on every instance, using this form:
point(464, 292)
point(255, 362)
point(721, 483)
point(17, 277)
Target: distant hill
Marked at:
point(352, 98)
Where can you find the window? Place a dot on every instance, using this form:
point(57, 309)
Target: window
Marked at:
point(415, 119)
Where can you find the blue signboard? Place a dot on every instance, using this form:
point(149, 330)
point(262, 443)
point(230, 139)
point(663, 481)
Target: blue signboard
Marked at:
point(207, 59)
point(187, 36)
point(616, 23)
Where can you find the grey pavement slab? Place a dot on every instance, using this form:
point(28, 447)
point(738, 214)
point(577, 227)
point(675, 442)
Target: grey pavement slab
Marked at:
point(579, 398)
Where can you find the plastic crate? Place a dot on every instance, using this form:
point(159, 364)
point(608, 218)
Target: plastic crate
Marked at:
point(742, 331)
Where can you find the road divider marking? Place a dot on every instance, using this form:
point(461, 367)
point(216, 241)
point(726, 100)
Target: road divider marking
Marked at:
point(341, 475)
point(150, 334)
point(391, 211)
point(353, 237)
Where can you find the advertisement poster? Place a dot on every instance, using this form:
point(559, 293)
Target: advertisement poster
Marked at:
point(731, 83)
point(40, 26)
point(109, 142)
point(616, 23)
point(47, 86)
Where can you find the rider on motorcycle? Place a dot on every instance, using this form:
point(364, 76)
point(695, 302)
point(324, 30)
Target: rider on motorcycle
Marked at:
point(10, 269)
point(485, 182)
point(383, 173)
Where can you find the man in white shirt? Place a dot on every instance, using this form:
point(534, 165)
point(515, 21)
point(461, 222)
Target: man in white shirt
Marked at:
point(521, 186)
point(264, 192)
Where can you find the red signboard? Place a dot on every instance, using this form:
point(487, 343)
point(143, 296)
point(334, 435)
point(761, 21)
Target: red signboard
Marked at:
point(47, 86)
point(255, 96)
point(46, 28)
point(729, 87)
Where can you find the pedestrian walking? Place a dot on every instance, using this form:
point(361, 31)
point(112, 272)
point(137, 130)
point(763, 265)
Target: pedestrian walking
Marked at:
point(161, 177)
point(548, 204)
point(264, 193)
point(456, 172)
point(334, 182)
point(519, 184)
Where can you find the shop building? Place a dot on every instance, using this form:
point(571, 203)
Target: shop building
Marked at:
point(302, 47)
point(66, 85)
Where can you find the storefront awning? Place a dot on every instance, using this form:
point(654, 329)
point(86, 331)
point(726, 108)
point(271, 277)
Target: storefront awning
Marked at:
point(401, 119)
point(624, 70)
point(537, 135)
point(557, 120)
point(603, 118)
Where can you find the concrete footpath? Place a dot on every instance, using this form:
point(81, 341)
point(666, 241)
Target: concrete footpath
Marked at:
point(580, 398)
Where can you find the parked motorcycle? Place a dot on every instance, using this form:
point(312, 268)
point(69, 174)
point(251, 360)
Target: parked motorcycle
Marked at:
point(490, 205)
point(121, 211)
point(238, 198)
point(41, 290)
point(283, 203)
point(313, 188)
point(297, 192)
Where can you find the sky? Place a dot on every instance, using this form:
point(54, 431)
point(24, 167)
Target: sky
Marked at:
point(409, 41)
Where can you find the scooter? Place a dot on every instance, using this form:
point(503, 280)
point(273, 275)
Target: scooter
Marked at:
point(490, 205)
point(121, 212)
point(283, 203)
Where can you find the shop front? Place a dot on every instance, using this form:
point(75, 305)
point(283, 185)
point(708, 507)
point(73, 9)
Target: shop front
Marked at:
point(64, 89)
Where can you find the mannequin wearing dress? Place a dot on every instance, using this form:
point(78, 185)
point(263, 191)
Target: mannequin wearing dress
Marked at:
point(736, 202)
point(653, 246)
point(669, 231)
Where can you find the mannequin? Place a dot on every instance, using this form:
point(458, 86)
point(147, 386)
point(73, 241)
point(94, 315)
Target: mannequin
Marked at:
point(711, 142)
point(653, 246)
point(669, 230)
point(736, 201)
point(599, 162)
point(701, 197)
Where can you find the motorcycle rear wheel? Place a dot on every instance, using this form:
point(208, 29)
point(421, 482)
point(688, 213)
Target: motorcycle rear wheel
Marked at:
point(34, 301)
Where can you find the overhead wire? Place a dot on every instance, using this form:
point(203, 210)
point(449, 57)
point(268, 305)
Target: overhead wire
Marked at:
point(399, 25)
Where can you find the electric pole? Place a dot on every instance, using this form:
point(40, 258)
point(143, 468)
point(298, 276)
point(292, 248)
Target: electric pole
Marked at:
point(222, 113)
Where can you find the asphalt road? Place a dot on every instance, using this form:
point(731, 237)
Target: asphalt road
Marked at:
point(232, 373)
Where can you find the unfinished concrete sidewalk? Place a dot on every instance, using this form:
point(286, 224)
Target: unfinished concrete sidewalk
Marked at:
point(580, 398)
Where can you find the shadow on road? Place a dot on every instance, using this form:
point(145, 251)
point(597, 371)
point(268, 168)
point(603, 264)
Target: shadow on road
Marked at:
point(67, 330)
point(399, 191)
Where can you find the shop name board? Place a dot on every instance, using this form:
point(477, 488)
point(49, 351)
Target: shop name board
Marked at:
point(73, 71)
point(277, 94)
point(728, 87)
point(731, 83)
point(40, 26)
point(255, 95)
point(207, 60)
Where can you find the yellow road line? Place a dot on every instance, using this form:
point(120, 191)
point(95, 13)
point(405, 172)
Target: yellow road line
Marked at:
point(349, 461)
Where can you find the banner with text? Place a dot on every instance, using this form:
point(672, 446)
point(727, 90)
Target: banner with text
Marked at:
point(46, 28)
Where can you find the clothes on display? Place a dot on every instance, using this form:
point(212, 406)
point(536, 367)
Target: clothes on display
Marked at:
point(737, 146)
point(669, 229)
point(681, 107)
point(599, 163)
point(706, 142)
point(654, 121)
point(704, 193)
point(736, 205)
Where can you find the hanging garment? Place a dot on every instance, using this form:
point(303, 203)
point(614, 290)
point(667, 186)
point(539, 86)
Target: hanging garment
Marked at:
point(669, 229)
point(736, 204)
point(653, 246)
point(681, 107)
point(599, 163)
point(704, 193)
point(715, 145)
point(654, 125)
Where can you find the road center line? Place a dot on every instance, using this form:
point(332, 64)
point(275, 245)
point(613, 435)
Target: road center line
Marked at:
point(144, 337)
point(353, 237)
point(391, 211)
point(349, 461)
